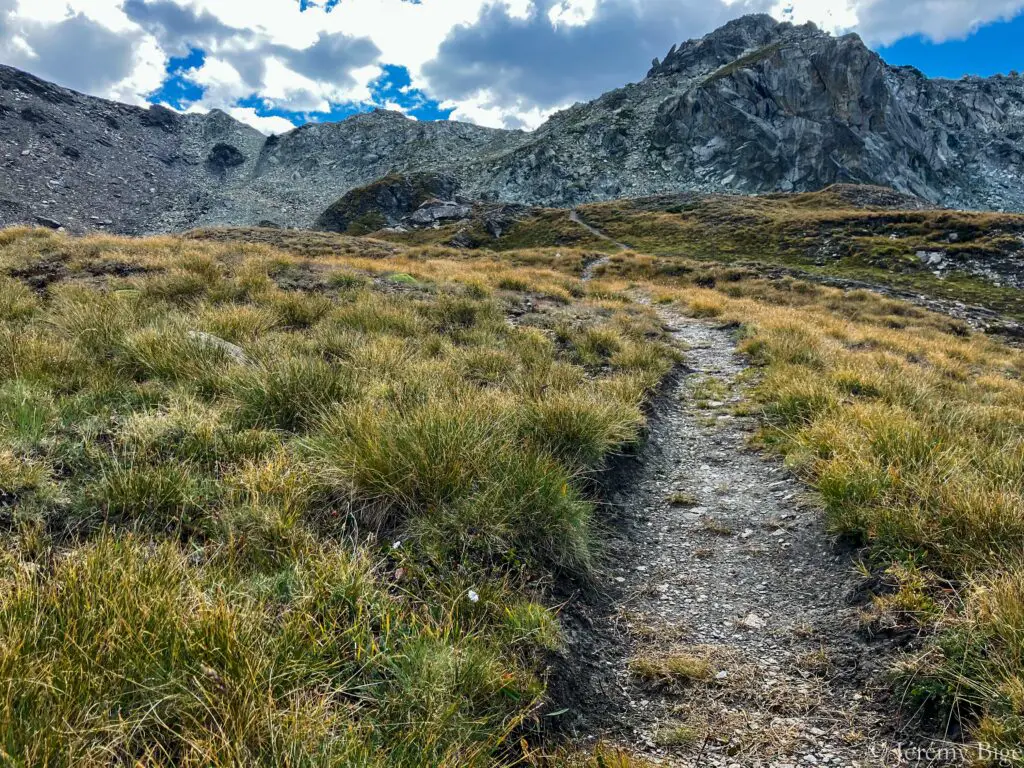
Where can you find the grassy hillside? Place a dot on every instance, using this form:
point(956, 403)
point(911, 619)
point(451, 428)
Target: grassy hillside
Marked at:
point(828, 234)
point(286, 498)
point(262, 510)
point(845, 232)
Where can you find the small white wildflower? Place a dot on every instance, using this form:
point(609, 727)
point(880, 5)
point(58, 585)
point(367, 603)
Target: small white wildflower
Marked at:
point(473, 596)
point(396, 545)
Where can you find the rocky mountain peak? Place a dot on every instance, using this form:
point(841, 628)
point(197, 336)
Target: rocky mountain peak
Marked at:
point(729, 43)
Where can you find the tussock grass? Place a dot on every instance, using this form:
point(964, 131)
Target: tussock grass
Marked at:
point(582, 427)
point(671, 668)
point(459, 460)
point(16, 301)
point(264, 554)
point(203, 666)
point(289, 539)
point(289, 393)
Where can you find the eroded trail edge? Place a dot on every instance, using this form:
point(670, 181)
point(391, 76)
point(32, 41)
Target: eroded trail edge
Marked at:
point(738, 639)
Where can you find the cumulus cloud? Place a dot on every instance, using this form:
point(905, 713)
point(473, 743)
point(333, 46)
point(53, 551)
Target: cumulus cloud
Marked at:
point(268, 124)
point(82, 53)
point(178, 27)
point(6, 9)
point(249, 61)
point(881, 22)
point(885, 21)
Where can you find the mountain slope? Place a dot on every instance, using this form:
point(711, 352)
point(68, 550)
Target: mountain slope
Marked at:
point(87, 163)
point(755, 106)
point(759, 106)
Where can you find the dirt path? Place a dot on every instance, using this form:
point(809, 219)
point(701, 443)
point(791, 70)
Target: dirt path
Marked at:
point(590, 270)
point(728, 637)
point(729, 578)
point(574, 216)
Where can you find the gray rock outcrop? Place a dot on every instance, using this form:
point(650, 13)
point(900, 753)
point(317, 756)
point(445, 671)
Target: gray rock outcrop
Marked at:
point(386, 201)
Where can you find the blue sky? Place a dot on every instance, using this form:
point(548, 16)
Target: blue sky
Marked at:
point(280, 63)
point(993, 49)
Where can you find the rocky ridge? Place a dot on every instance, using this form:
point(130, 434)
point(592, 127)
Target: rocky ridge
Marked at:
point(756, 106)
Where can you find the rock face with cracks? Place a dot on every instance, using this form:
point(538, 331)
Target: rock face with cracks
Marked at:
point(756, 106)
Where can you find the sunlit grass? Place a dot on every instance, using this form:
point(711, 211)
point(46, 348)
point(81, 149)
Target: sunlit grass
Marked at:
point(246, 498)
point(286, 532)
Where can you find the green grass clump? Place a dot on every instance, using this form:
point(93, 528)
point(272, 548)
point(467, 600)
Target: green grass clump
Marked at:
point(16, 301)
point(289, 393)
point(345, 280)
point(461, 462)
point(27, 412)
point(247, 497)
point(582, 427)
point(299, 310)
point(167, 496)
point(170, 353)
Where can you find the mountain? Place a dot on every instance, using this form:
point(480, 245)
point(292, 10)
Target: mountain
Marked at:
point(756, 106)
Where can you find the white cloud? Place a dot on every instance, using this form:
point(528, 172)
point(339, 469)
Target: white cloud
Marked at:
point(881, 22)
point(408, 34)
point(836, 16)
point(286, 89)
point(91, 48)
point(218, 75)
point(394, 106)
point(149, 70)
point(573, 13)
point(264, 124)
point(885, 21)
point(480, 108)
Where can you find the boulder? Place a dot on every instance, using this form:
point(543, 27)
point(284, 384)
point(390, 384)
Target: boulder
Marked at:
point(46, 221)
point(224, 156)
point(385, 202)
point(33, 115)
point(435, 211)
point(233, 351)
point(160, 117)
point(931, 258)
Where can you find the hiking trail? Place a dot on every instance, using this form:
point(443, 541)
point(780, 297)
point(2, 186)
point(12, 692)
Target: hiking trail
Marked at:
point(720, 565)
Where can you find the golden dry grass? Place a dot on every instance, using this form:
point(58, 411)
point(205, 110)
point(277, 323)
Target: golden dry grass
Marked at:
point(212, 506)
point(325, 546)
